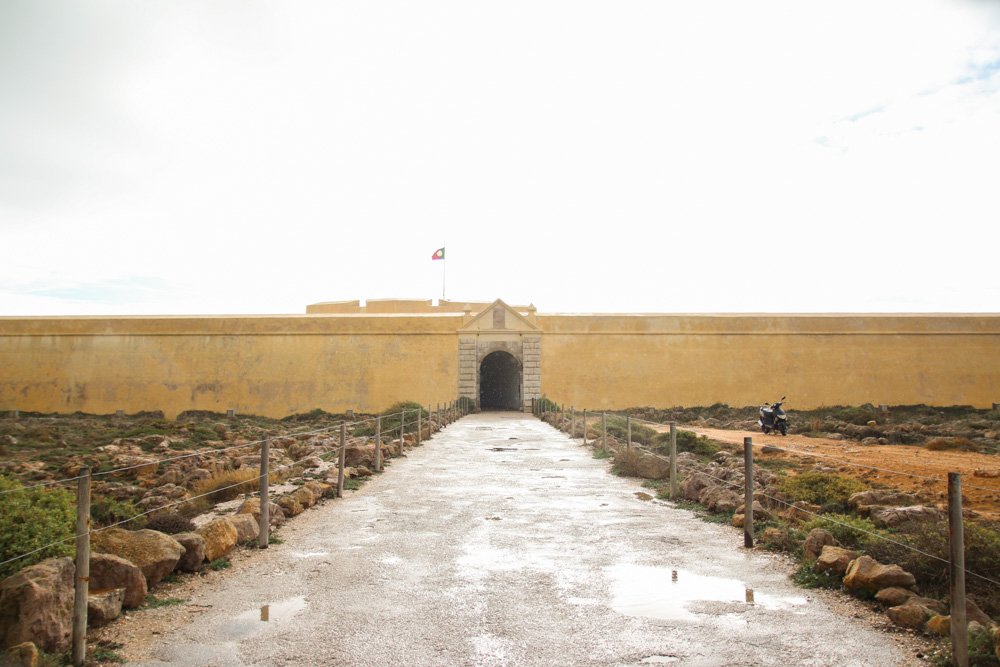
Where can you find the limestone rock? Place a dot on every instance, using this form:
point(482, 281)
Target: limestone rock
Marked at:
point(881, 497)
point(866, 573)
point(908, 616)
point(246, 527)
point(153, 552)
point(651, 467)
point(759, 513)
point(304, 496)
point(974, 613)
point(289, 505)
point(104, 605)
point(894, 596)
point(693, 484)
point(895, 517)
point(110, 571)
point(220, 537)
point(320, 489)
point(996, 641)
point(194, 551)
point(719, 499)
point(173, 476)
point(22, 655)
point(835, 559)
point(815, 541)
point(773, 535)
point(36, 605)
point(940, 625)
point(932, 607)
point(802, 511)
point(137, 466)
point(361, 454)
point(195, 477)
point(251, 506)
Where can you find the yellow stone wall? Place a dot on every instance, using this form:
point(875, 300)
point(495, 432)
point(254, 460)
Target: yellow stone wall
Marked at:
point(279, 365)
point(271, 366)
point(816, 360)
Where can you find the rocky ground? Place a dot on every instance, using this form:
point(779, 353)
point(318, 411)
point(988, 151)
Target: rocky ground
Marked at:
point(41, 448)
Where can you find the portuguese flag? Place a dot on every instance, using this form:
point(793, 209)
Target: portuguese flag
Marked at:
point(438, 254)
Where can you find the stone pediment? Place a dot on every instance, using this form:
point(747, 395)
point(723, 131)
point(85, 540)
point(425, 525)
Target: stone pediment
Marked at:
point(498, 316)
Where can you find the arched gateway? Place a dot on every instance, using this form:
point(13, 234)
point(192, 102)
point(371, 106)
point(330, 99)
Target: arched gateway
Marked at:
point(500, 382)
point(500, 358)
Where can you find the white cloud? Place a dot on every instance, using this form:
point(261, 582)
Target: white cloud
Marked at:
point(649, 156)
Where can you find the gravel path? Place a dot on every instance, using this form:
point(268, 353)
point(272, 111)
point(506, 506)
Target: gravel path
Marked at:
point(503, 542)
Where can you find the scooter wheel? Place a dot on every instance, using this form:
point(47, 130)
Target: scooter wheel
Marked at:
point(783, 429)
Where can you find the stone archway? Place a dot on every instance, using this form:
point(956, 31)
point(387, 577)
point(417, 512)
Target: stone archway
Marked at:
point(500, 382)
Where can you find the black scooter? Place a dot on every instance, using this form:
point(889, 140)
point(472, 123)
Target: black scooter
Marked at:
point(773, 418)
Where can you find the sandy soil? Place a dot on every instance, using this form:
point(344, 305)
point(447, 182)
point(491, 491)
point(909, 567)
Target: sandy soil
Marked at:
point(897, 466)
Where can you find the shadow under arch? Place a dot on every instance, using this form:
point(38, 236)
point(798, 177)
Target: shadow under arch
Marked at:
point(500, 382)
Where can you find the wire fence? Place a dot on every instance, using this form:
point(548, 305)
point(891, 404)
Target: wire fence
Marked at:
point(399, 425)
point(564, 420)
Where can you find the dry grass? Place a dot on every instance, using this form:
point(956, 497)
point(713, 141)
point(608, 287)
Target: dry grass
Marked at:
point(228, 485)
point(627, 462)
point(963, 444)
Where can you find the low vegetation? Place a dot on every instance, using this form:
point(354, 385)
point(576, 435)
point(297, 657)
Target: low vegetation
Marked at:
point(37, 521)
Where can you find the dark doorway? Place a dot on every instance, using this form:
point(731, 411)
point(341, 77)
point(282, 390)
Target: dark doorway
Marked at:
point(500, 382)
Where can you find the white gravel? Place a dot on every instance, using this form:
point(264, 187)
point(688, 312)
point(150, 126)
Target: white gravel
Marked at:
point(503, 542)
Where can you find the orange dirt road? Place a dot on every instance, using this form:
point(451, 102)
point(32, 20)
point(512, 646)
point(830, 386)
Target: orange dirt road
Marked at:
point(848, 457)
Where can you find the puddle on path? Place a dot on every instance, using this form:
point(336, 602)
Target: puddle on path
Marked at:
point(657, 592)
point(256, 620)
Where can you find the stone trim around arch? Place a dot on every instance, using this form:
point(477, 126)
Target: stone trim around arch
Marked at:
point(500, 328)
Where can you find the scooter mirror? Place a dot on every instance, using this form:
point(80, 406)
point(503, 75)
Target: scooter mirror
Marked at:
point(783, 397)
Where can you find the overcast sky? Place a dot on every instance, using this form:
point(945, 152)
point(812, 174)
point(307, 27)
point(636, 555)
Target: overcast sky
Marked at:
point(702, 156)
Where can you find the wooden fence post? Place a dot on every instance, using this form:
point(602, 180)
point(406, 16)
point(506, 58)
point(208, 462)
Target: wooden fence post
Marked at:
point(959, 624)
point(628, 430)
point(572, 422)
point(341, 460)
point(604, 430)
point(673, 461)
point(420, 414)
point(585, 427)
point(534, 411)
point(264, 522)
point(378, 444)
point(402, 430)
point(82, 577)
point(748, 493)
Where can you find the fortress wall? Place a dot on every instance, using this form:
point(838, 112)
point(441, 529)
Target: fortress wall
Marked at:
point(270, 366)
point(597, 361)
point(279, 365)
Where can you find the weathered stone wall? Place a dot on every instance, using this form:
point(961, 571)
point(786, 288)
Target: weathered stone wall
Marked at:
point(278, 365)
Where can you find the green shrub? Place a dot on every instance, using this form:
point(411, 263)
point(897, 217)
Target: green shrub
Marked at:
point(982, 557)
point(859, 416)
point(544, 404)
point(819, 488)
point(466, 404)
point(807, 577)
point(854, 532)
point(688, 441)
point(618, 428)
point(220, 564)
point(31, 519)
point(106, 511)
